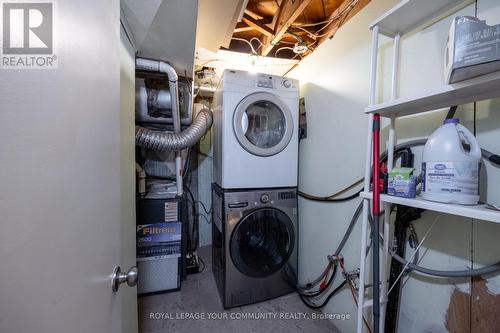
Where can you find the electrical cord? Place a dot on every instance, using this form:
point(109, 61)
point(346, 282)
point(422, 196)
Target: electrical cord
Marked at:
point(328, 199)
point(206, 219)
point(320, 290)
point(325, 302)
point(333, 197)
point(258, 40)
point(245, 41)
point(281, 49)
point(322, 22)
point(207, 211)
point(309, 33)
point(343, 14)
point(192, 245)
point(287, 272)
point(297, 37)
point(310, 285)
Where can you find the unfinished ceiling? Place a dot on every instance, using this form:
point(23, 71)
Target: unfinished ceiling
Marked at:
point(290, 28)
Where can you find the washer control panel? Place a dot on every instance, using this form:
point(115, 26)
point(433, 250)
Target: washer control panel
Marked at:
point(241, 201)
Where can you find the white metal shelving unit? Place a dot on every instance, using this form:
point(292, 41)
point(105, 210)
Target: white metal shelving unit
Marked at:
point(405, 17)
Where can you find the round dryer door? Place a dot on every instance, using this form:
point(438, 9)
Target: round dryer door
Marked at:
point(262, 242)
point(263, 124)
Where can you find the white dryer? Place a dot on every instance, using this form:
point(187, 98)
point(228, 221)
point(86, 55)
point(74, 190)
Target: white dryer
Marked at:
point(255, 131)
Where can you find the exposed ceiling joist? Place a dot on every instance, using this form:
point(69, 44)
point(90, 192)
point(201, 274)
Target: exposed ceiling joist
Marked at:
point(257, 25)
point(341, 15)
point(242, 27)
point(279, 24)
point(252, 14)
point(287, 13)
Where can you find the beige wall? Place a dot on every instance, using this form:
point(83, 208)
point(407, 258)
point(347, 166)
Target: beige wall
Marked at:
point(335, 84)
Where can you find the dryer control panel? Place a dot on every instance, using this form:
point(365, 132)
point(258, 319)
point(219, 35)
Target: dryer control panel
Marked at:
point(236, 80)
point(265, 81)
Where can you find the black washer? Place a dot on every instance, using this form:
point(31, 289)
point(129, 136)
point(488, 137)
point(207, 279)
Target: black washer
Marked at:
point(262, 242)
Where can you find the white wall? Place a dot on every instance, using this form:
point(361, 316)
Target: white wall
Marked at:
point(335, 84)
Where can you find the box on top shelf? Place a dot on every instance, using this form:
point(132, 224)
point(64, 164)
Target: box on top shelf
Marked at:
point(473, 49)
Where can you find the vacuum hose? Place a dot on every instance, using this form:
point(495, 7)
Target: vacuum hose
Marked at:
point(164, 141)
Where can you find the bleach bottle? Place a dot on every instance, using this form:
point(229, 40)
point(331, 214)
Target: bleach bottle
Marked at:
point(451, 164)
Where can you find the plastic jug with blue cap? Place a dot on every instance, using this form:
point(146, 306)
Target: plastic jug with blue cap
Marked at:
point(451, 165)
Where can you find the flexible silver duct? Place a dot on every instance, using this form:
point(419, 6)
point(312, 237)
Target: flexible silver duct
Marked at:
point(163, 141)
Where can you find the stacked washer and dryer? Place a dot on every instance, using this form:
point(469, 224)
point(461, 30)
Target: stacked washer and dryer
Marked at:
point(255, 227)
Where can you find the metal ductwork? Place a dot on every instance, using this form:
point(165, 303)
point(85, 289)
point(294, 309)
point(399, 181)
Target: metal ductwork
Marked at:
point(179, 140)
point(164, 141)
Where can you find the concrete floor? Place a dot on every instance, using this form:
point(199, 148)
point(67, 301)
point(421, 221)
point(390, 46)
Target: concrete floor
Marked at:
point(199, 295)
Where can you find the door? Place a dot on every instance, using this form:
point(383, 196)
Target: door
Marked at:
point(262, 242)
point(65, 189)
point(263, 124)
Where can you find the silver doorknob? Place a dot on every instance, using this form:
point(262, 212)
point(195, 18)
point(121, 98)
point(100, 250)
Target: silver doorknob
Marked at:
point(119, 277)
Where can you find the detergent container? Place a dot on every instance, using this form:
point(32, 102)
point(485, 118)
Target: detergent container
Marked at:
point(450, 165)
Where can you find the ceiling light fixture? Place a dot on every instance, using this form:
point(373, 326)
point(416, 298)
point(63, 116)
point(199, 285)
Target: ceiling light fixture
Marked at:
point(300, 48)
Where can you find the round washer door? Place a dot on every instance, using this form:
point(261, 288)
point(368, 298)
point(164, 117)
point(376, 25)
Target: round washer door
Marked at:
point(262, 242)
point(263, 124)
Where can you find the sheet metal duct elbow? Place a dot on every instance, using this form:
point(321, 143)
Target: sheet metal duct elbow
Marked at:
point(165, 141)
